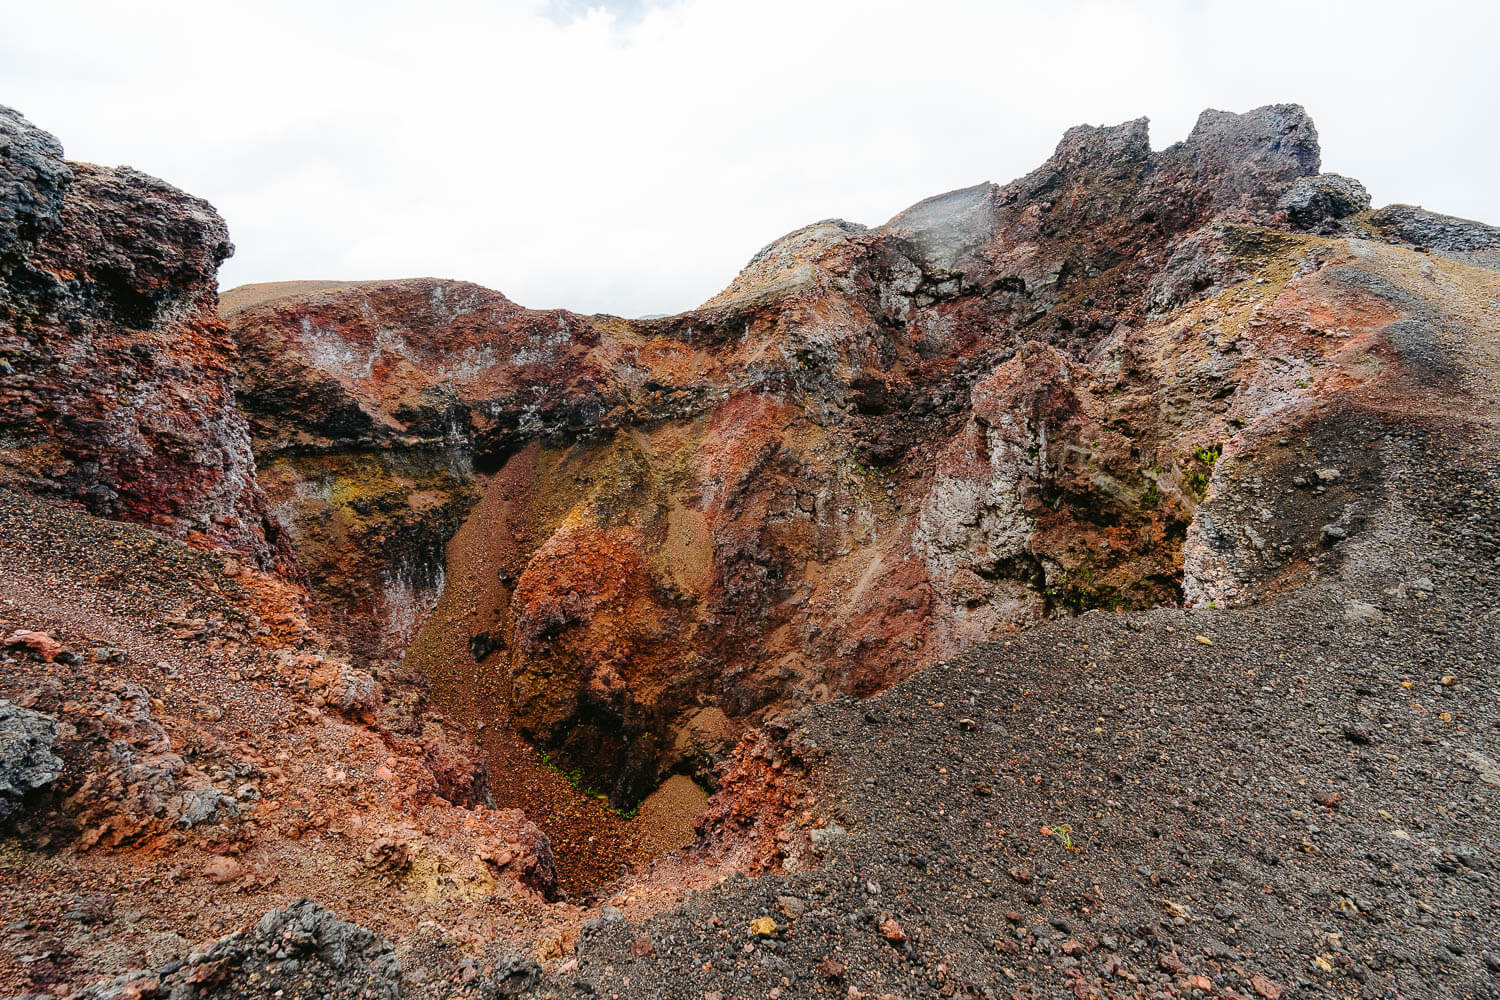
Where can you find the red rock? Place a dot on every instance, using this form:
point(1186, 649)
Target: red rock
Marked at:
point(1328, 798)
point(353, 692)
point(39, 644)
point(704, 521)
point(1265, 987)
point(873, 449)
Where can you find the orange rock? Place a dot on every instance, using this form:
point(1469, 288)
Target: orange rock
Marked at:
point(223, 869)
point(40, 644)
point(1265, 987)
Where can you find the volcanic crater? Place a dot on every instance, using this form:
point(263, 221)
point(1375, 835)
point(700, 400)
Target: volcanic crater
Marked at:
point(748, 649)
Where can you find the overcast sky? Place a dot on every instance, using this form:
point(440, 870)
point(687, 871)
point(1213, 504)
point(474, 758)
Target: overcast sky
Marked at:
point(630, 156)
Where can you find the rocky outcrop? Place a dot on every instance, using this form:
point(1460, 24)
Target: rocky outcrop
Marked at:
point(116, 372)
point(1458, 239)
point(626, 541)
point(872, 449)
point(298, 950)
point(131, 783)
point(27, 762)
point(1323, 201)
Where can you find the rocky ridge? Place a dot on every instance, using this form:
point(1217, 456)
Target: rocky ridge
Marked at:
point(875, 448)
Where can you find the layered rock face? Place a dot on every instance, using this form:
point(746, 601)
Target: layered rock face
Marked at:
point(360, 434)
point(116, 372)
point(874, 448)
point(169, 722)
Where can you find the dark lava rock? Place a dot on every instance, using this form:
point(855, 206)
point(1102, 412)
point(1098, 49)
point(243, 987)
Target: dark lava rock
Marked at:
point(299, 951)
point(1472, 242)
point(516, 975)
point(483, 644)
point(1314, 201)
point(27, 762)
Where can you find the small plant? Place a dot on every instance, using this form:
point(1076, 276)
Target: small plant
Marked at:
point(1062, 832)
point(876, 473)
point(1152, 496)
point(574, 777)
point(1197, 478)
point(1076, 590)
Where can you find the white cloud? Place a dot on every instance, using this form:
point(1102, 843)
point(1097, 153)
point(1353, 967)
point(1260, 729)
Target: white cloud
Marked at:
point(632, 161)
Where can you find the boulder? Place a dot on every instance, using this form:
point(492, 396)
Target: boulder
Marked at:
point(1316, 202)
point(27, 762)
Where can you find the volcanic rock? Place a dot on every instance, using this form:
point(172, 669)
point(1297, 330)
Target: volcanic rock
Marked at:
point(1314, 202)
point(666, 485)
point(116, 372)
point(850, 463)
point(38, 644)
point(27, 762)
point(300, 950)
